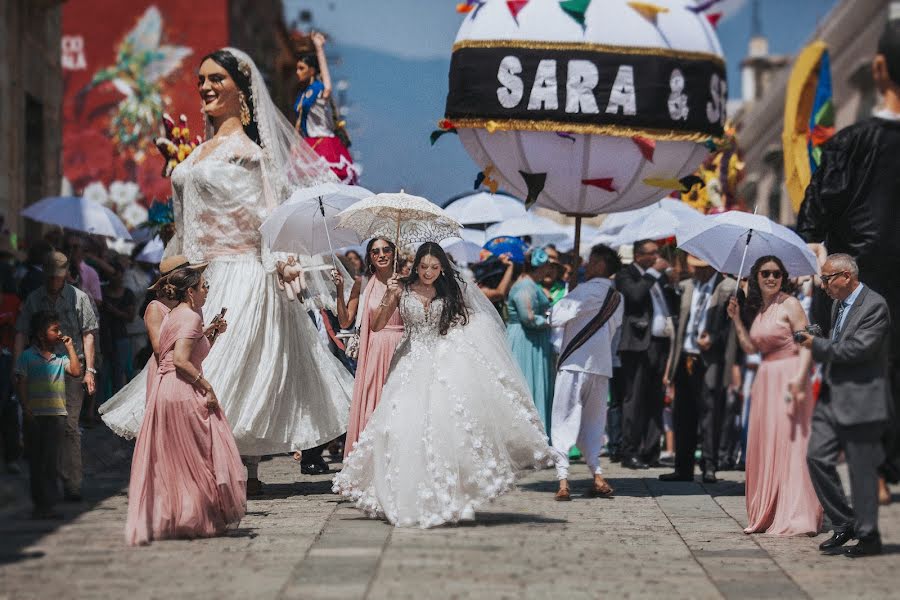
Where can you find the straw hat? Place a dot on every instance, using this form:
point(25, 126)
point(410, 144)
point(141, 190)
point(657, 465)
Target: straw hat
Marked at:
point(56, 265)
point(171, 264)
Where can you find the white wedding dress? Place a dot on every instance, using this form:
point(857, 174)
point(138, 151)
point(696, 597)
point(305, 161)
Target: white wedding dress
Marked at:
point(455, 424)
point(280, 387)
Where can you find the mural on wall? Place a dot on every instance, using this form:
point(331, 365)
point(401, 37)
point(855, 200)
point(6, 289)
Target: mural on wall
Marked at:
point(122, 73)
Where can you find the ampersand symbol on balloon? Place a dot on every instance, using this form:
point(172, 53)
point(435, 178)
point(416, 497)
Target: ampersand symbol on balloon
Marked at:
point(678, 100)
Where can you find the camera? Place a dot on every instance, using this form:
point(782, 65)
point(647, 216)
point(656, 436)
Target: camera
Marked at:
point(813, 330)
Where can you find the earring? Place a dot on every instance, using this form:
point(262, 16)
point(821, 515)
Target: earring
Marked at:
point(245, 111)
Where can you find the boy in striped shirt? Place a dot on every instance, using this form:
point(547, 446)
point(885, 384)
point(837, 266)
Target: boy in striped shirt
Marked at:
point(42, 392)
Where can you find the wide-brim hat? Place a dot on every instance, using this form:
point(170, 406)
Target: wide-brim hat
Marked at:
point(170, 264)
point(695, 262)
point(56, 265)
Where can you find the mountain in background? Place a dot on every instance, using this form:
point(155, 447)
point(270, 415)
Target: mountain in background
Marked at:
point(394, 105)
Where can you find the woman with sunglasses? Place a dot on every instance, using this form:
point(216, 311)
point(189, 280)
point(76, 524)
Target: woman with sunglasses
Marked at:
point(779, 493)
point(376, 348)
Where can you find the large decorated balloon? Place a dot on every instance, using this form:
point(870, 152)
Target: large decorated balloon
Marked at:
point(587, 107)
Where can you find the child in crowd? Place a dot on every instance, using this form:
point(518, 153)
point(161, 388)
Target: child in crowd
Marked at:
point(42, 392)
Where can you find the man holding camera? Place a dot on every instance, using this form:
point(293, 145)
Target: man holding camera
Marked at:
point(853, 407)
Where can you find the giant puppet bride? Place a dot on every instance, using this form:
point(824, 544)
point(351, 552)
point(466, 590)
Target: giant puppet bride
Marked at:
point(280, 387)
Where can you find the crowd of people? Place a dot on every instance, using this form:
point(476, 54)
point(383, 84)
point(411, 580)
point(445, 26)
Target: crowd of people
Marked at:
point(441, 380)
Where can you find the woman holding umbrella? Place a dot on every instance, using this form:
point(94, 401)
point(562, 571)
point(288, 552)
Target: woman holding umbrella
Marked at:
point(376, 348)
point(780, 496)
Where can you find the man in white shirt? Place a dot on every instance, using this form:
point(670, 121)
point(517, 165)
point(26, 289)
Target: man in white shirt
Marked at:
point(589, 317)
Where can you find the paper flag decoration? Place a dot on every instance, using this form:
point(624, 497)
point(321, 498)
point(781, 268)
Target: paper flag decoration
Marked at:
point(576, 9)
point(703, 6)
point(484, 178)
point(465, 7)
point(669, 183)
point(515, 6)
point(646, 146)
point(648, 10)
point(714, 18)
point(605, 183)
point(567, 136)
point(534, 182)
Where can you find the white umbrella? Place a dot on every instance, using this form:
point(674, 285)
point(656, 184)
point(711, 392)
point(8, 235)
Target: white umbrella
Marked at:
point(733, 240)
point(657, 223)
point(476, 236)
point(541, 230)
point(484, 207)
point(78, 214)
point(463, 252)
point(152, 252)
point(305, 224)
point(401, 217)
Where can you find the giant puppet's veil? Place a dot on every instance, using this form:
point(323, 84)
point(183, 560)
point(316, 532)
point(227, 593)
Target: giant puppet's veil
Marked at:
point(288, 164)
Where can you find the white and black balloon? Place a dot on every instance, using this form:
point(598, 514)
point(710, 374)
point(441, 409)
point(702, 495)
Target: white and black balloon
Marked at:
point(587, 107)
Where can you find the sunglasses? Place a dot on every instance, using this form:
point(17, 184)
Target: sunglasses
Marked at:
point(826, 279)
point(379, 251)
point(205, 285)
point(765, 274)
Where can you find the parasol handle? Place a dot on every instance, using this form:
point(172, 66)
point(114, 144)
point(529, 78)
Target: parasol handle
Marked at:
point(327, 233)
point(397, 243)
point(743, 261)
point(574, 283)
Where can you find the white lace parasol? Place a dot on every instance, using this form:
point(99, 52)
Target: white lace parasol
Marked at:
point(404, 218)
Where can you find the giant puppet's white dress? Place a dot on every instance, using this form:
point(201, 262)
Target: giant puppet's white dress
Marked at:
point(280, 387)
point(455, 424)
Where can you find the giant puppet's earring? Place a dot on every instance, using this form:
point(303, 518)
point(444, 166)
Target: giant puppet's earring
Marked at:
point(245, 110)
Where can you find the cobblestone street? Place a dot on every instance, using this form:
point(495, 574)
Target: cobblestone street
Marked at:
point(299, 541)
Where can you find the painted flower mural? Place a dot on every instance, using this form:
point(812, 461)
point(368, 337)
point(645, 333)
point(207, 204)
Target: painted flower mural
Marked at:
point(142, 65)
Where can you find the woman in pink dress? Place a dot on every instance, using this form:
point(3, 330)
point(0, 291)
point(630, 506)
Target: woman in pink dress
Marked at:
point(376, 348)
point(187, 478)
point(780, 496)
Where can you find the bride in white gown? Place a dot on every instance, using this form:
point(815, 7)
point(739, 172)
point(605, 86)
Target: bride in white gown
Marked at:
point(280, 387)
point(456, 422)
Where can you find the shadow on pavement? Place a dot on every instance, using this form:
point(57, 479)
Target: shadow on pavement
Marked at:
point(495, 519)
point(298, 488)
point(106, 459)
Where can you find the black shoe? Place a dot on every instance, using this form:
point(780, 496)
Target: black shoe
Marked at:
point(676, 476)
point(316, 467)
point(634, 463)
point(72, 497)
point(837, 539)
point(13, 469)
point(867, 546)
point(47, 515)
point(667, 461)
point(709, 476)
point(615, 457)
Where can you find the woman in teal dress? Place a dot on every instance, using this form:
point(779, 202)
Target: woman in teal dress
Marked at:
point(528, 330)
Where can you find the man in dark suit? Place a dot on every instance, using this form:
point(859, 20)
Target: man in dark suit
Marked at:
point(649, 300)
point(853, 408)
point(700, 367)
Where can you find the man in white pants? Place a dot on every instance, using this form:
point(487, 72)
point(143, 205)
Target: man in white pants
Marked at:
point(589, 316)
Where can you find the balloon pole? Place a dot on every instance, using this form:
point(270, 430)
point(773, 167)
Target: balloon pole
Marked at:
point(327, 233)
point(574, 283)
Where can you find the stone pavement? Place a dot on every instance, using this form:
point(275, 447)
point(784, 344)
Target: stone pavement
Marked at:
point(299, 541)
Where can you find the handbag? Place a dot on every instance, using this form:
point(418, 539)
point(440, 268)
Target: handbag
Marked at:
point(351, 345)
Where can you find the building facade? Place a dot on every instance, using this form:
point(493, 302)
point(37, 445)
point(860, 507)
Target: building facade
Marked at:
point(31, 94)
point(851, 31)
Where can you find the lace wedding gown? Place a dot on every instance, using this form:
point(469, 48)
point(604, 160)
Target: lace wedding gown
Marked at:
point(280, 387)
point(455, 424)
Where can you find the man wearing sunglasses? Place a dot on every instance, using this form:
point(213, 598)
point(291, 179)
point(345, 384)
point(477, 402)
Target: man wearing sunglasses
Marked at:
point(851, 206)
point(853, 406)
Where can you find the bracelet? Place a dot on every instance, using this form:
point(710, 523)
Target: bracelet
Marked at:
point(198, 378)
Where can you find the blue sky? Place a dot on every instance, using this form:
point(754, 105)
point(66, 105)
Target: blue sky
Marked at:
point(395, 55)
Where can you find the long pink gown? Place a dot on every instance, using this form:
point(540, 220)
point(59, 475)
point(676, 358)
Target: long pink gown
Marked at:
point(780, 496)
point(187, 479)
point(376, 350)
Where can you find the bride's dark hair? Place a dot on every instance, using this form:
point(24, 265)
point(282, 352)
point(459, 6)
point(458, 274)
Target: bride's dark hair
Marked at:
point(447, 287)
point(229, 62)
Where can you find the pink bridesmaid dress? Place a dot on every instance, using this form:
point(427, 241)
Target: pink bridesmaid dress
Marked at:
point(187, 479)
point(779, 494)
point(376, 350)
point(152, 365)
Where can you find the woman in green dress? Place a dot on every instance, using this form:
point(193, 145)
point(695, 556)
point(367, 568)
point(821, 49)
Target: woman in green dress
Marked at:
point(528, 330)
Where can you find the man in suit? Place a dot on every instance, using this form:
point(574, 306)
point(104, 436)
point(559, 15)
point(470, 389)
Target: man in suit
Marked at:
point(853, 407)
point(700, 366)
point(644, 349)
point(588, 318)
